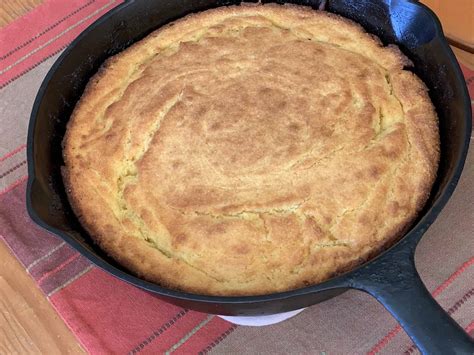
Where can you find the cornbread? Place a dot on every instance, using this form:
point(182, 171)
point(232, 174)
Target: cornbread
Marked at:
point(251, 149)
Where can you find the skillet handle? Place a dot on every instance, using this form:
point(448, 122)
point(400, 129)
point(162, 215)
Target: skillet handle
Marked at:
point(393, 280)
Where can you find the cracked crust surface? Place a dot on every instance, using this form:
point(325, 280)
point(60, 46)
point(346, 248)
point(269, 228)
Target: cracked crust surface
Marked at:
point(249, 150)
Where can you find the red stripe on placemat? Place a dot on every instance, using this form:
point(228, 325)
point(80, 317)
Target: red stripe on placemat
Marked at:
point(9, 81)
point(92, 306)
point(455, 275)
point(53, 41)
point(65, 275)
point(13, 152)
point(15, 184)
point(46, 30)
point(36, 248)
point(41, 25)
point(451, 311)
point(217, 328)
point(16, 35)
point(175, 345)
point(391, 334)
point(45, 257)
point(470, 327)
point(48, 265)
point(27, 241)
point(469, 77)
point(158, 332)
point(58, 267)
point(219, 339)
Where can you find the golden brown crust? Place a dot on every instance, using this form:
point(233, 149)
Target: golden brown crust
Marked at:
point(249, 150)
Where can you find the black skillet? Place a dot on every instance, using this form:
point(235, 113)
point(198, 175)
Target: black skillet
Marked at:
point(391, 277)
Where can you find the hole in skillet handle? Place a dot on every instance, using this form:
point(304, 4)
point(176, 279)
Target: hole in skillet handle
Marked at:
point(393, 280)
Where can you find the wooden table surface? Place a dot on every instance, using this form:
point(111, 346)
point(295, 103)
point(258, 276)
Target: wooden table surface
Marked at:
point(28, 323)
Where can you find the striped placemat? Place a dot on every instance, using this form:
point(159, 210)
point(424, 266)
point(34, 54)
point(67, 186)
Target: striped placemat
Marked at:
point(110, 316)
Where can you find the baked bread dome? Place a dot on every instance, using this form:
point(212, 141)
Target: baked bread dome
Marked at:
point(249, 150)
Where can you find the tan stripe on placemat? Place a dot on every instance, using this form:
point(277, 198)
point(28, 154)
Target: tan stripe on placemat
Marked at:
point(47, 255)
point(71, 280)
point(158, 332)
point(190, 334)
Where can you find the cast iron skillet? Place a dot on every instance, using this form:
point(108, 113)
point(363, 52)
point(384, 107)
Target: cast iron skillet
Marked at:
point(391, 277)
